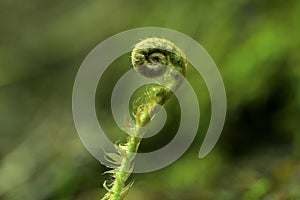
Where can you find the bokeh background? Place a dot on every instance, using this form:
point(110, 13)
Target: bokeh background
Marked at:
point(255, 44)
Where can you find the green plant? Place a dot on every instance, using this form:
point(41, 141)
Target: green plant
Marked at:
point(152, 57)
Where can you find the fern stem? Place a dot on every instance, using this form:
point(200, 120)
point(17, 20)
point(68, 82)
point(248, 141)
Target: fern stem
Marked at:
point(122, 174)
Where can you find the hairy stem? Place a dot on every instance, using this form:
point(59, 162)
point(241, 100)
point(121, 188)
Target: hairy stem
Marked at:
point(122, 174)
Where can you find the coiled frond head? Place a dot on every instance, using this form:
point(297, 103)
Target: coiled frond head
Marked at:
point(152, 58)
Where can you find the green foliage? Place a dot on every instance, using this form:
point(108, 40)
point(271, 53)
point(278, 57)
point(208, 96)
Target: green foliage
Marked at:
point(256, 46)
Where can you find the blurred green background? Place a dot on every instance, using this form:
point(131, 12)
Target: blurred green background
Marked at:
point(255, 44)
